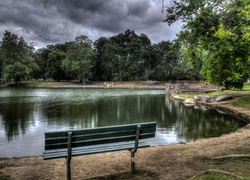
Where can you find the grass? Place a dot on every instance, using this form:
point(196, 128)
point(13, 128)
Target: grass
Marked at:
point(3, 176)
point(3, 165)
point(43, 84)
point(139, 174)
point(242, 102)
point(228, 168)
point(246, 87)
point(215, 176)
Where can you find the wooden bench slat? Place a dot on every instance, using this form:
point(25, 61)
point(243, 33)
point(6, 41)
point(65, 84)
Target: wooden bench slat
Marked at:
point(99, 136)
point(96, 141)
point(89, 142)
point(114, 131)
point(92, 147)
point(55, 134)
point(92, 150)
point(91, 136)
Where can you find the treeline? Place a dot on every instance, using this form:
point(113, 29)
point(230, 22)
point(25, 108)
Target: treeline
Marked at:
point(214, 45)
point(123, 57)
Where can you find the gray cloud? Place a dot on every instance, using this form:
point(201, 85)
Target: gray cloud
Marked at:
point(44, 22)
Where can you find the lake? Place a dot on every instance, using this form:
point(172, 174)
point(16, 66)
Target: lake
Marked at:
point(26, 113)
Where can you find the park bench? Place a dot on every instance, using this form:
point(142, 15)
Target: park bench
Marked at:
point(65, 144)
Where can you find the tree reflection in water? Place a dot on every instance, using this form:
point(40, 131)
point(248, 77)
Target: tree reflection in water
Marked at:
point(26, 113)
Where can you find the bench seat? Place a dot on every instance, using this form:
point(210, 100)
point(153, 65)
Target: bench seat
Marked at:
point(62, 153)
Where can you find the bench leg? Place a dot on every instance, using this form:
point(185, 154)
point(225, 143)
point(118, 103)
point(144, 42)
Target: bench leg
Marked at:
point(132, 162)
point(69, 155)
point(68, 169)
point(133, 151)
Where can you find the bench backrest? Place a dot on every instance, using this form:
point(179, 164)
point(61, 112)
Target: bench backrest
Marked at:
point(100, 135)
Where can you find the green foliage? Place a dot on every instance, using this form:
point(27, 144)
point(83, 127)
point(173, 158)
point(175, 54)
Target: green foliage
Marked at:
point(1, 65)
point(78, 62)
point(129, 56)
point(41, 56)
point(215, 38)
point(53, 68)
point(17, 58)
point(123, 57)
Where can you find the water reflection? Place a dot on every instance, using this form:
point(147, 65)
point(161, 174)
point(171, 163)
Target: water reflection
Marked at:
point(16, 117)
point(26, 113)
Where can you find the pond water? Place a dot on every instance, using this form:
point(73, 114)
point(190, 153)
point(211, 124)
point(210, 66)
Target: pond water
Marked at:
point(25, 114)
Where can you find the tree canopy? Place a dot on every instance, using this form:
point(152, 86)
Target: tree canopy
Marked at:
point(78, 62)
point(215, 37)
point(126, 56)
point(17, 58)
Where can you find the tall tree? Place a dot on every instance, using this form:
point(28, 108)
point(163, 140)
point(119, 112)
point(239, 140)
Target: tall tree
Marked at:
point(17, 57)
point(79, 59)
point(108, 60)
point(215, 37)
point(41, 56)
point(124, 56)
point(1, 65)
point(99, 68)
point(54, 62)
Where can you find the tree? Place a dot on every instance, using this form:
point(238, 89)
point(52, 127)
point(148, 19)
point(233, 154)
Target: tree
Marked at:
point(123, 57)
point(54, 62)
point(99, 68)
point(78, 62)
point(108, 58)
point(17, 57)
point(166, 63)
point(41, 57)
point(1, 66)
point(215, 37)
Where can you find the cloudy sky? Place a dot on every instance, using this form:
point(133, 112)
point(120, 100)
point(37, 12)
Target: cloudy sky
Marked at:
point(44, 22)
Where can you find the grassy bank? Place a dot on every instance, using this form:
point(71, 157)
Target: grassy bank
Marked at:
point(100, 84)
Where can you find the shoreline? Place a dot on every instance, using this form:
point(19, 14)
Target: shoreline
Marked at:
point(225, 106)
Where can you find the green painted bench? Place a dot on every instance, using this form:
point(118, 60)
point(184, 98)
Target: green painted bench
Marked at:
point(65, 144)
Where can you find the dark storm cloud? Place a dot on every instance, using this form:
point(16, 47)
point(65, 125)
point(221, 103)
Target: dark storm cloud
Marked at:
point(111, 15)
point(48, 22)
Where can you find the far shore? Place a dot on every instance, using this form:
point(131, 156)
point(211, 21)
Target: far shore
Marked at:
point(89, 84)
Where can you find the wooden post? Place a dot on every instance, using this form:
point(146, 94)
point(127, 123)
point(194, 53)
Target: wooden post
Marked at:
point(69, 155)
point(133, 151)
